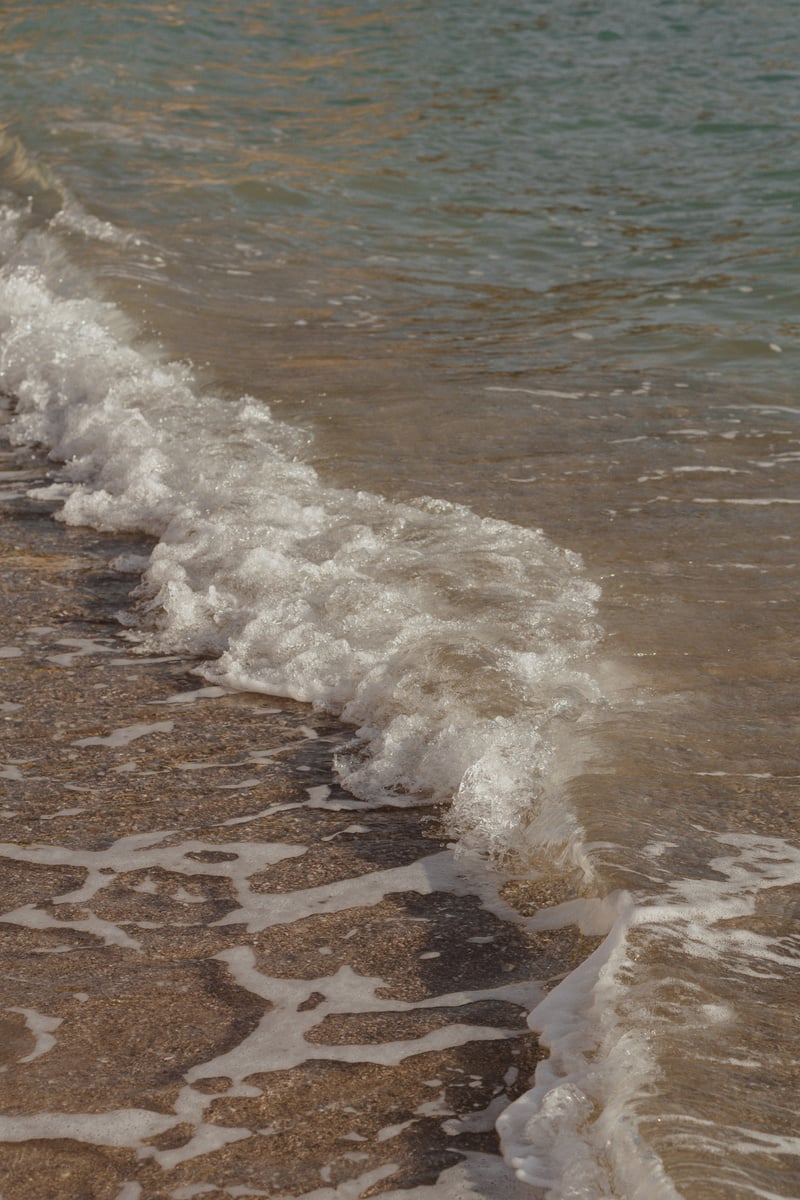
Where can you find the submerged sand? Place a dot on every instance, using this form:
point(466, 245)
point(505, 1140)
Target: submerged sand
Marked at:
point(221, 975)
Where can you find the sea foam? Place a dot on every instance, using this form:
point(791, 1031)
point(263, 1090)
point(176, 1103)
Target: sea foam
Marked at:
point(459, 647)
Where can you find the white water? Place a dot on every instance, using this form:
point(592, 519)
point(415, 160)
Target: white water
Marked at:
point(459, 647)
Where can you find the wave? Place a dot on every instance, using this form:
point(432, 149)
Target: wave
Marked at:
point(27, 180)
point(459, 647)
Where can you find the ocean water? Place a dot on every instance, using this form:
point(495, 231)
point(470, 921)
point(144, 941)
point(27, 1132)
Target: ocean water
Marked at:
point(450, 354)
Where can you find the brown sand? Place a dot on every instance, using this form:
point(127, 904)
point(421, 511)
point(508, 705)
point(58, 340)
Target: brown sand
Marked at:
point(109, 1001)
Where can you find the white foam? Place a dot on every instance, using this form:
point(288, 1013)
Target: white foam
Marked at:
point(537, 392)
point(129, 1190)
point(748, 501)
point(124, 1127)
point(128, 1127)
point(436, 872)
point(138, 852)
point(74, 217)
point(85, 646)
point(477, 1177)
point(42, 1027)
point(457, 645)
point(279, 1041)
point(126, 734)
point(576, 1132)
point(392, 1131)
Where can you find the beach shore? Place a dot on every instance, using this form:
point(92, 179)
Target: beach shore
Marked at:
point(221, 974)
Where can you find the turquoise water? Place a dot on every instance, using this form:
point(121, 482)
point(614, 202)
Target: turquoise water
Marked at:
point(535, 259)
point(499, 176)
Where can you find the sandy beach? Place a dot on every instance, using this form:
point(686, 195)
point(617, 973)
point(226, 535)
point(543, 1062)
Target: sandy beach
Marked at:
point(220, 977)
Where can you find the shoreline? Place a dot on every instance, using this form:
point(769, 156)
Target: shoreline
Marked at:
point(222, 971)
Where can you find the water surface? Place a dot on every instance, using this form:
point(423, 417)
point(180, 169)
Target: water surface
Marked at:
point(536, 262)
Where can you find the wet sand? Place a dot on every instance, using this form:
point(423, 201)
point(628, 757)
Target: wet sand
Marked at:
point(223, 976)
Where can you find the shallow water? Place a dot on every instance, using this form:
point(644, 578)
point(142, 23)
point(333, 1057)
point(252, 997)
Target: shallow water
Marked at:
point(537, 263)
